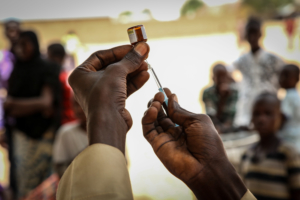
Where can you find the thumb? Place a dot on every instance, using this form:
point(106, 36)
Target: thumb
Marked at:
point(179, 115)
point(134, 58)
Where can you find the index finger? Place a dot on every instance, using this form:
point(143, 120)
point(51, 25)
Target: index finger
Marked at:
point(101, 59)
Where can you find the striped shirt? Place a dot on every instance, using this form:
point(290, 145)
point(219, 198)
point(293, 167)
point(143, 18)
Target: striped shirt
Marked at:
point(274, 175)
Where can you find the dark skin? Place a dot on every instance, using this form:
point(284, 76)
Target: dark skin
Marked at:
point(60, 168)
point(222, 82)
point(193, 152)
point(12, 32)
point(267, 119)
point(102, 97)
point(252, 36)
point(18, 107)
point(56, 59)
point(288, 78)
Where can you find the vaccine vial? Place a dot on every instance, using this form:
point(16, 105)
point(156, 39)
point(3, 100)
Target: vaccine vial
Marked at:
point(137, 34)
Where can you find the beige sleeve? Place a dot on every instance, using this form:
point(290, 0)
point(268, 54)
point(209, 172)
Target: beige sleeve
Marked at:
point(98, 172)
point(248, 196)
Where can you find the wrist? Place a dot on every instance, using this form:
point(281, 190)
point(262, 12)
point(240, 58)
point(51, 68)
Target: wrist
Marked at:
point(218, 180)
point(107, 127)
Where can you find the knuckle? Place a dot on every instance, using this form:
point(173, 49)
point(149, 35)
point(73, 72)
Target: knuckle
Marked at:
point(149, 103)
point(71, 78)
point(115, 70)
point(204, 117)
point(197, 119)
point(133, 58)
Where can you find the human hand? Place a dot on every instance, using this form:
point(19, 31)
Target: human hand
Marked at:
point(193, 152)
point(101, 86)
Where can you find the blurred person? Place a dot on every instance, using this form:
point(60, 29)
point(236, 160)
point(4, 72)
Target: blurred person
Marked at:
point(7, 58)
point(193, 151)
point(260, 71)
point(290, 106)
point(32, 101)
point(70, 140)
point(220, 100)
point(12, 31)
point(56, 53)
point(290, 28)
point(271, 168)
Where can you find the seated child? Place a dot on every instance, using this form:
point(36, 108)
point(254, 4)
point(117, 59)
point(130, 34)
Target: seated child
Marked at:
point(71, 139)
point(220, 100)
point(290, 106)
point(56, 54)
point(271, 168)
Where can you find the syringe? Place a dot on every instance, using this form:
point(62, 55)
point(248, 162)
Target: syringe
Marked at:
point(160, 88)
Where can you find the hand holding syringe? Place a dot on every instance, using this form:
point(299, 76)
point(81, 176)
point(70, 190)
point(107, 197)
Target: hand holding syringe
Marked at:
point(160, 88)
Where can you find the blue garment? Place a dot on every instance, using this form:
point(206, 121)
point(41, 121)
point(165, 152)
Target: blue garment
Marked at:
point(290, 107)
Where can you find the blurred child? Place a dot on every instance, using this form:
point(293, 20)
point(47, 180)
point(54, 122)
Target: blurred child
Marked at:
point(220, 100)
point(71, 139)
point(260, 72)
point(271, 168)
point(56, 54)
point(290, 106)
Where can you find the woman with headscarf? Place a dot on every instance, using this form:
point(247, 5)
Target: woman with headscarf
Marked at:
point(33, 102)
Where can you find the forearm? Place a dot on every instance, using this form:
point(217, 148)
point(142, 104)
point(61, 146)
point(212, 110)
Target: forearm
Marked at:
point(216, 182)
point(104, 127)
point(23, 107)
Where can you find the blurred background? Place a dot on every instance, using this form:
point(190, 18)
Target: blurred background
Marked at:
point(186, 37)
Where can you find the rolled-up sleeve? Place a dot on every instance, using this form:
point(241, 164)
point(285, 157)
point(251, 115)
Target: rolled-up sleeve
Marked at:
point(99, 172)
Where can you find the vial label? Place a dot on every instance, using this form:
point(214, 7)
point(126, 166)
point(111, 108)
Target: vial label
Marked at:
point(132, 36)
point(144, 32)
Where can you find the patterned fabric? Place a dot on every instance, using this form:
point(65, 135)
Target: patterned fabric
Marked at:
point(46, 190)
point(274, 175)
point(290, 107)
point(211, 100)
point(260, 74)
point(32, 161)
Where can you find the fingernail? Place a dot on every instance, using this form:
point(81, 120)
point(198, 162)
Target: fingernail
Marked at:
point(141, 48)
